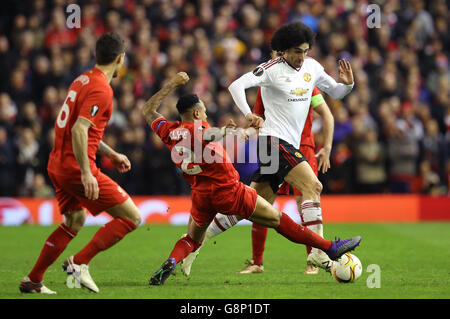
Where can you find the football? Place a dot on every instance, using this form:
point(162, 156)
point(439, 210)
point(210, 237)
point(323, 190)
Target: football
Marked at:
point(346, 269)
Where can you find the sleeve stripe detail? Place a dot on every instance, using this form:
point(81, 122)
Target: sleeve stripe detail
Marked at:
point(93, 124)
point(271, 62)
point(159, 124)
point(155, 124)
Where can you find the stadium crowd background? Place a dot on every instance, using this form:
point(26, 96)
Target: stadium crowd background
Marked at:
point(392, 133)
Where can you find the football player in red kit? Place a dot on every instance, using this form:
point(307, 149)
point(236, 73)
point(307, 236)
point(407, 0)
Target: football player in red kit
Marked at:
point(78, 183)
point(215, 182)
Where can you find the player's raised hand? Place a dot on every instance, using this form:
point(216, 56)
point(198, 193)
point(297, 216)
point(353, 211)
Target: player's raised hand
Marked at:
point(345, 72)
point(254, 120)
point(90, 186)
point(180, 79)
point(121, 162)
point(323, 159)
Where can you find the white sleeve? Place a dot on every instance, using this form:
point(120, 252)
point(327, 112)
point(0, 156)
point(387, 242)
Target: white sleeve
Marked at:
point(259, 77)
point(327, 84)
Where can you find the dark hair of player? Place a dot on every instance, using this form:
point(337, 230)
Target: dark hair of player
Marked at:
point(186, 102)
point(292, 35)
point(108, 47)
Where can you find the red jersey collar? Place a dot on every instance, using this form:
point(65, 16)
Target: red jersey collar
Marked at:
point(98, 71)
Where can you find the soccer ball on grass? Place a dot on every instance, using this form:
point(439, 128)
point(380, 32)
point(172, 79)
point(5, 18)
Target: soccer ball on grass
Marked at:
point(347, 268)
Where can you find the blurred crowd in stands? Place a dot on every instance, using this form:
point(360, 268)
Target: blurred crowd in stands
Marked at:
point(392, 133)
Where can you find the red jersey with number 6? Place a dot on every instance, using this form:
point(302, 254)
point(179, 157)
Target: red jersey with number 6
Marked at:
point(203, 164)
point(89, 96)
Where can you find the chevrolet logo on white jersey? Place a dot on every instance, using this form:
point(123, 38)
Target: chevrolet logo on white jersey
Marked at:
point(299, 91)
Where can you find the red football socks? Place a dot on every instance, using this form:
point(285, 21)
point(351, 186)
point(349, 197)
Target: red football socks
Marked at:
point(104, 238)
point(259, 235)
point(53, 247)
point(184, 247)
point(300, 234)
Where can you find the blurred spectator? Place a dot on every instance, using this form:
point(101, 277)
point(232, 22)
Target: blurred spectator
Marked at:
point(7, 164)
point(27, 160)
point(339, 177)
point(370, 164)
point(434, 148)
point(343, 126)
point(430, 182)
point(403, 153)
point(40, 188)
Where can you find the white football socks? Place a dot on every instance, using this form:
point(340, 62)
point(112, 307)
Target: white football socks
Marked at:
point(312, 218)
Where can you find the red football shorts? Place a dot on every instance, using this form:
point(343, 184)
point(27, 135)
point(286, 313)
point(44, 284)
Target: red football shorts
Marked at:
point(69, 192)
point(308, 152)
point(236, 199)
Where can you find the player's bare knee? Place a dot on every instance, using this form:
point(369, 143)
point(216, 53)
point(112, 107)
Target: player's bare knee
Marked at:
point(276, 220)
point(75, 220)
point(136, 218)
point(263, 189)
point(319, 187)
point(313, 190)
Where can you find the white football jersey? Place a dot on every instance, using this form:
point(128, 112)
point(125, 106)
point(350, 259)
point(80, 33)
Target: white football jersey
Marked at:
point(286, 94)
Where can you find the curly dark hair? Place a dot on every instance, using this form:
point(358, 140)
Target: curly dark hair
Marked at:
point(291, 35)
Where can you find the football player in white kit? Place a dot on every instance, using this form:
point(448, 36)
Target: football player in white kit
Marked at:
point(286, 85)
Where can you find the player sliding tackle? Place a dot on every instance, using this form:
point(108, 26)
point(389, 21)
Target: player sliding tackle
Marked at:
point(215, 182)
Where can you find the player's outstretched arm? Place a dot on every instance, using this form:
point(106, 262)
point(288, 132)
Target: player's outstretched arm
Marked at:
point(323, 156)
point(337, 90)
point(120, 161)
point(80, 150)
point(150, 107)
point(237, 91)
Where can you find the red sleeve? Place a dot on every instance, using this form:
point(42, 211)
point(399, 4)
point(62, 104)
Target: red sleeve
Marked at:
point(96, 103)
point(316, 91)
point(161, 127)
point(259, 106)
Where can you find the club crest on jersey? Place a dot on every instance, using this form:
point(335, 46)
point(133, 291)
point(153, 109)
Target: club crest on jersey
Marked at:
point(84, 79)
point(307, 77)
point(298, 154)
point(299, 91)
point(258, 71)
point(94, 110)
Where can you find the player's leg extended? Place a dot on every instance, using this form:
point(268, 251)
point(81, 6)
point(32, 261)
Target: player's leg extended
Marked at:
point(259, 233)
point(183, 247)
point(302, 177)
point(267, 215)
point(219, 224)
point(311, 269)
point(126, 219)
point(53, 247)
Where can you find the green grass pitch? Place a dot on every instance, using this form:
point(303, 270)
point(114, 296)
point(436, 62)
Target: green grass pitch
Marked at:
point(414, 260)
